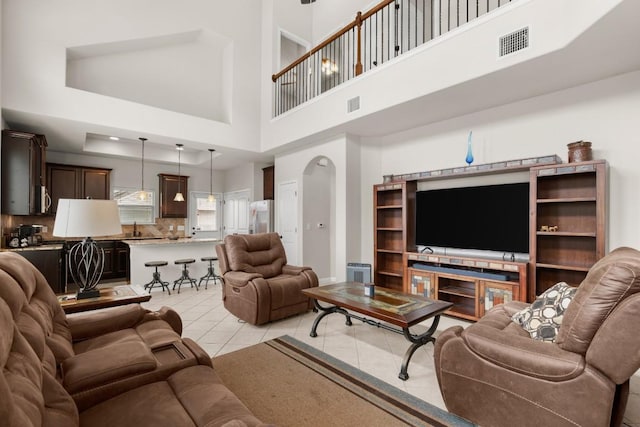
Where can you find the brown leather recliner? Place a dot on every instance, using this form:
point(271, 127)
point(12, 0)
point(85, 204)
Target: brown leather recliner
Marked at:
point(259, 286)
point(118, 366)
point(494, 374)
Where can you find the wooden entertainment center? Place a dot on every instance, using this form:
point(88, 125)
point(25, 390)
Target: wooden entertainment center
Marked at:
point(567, 228)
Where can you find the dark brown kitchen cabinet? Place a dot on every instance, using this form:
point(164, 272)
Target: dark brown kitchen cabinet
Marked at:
point(116, 261)
point(23, 173)
point(77, 182)
point(267, 182)
point(49, 263)
point(169, 186)
point(121, 260)
point(109, 256)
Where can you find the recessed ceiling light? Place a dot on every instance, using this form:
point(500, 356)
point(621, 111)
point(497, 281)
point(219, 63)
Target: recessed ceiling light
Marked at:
point(114, 138)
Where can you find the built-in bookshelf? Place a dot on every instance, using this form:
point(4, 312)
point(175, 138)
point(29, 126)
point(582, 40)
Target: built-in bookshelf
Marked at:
point(394, 226)
point(567, 228)
point(568, 222)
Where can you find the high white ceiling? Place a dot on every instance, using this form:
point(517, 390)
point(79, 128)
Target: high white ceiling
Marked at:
point(605, 49)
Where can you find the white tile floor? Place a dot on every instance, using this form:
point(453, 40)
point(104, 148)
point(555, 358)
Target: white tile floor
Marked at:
point(373, 350)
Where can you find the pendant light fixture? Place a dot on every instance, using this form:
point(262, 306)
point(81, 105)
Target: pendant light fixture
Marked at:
point(179, 197)
point(142, 195)
point(211, 197)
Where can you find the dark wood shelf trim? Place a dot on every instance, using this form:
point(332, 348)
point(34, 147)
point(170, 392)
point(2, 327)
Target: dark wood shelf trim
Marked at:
point(484, 169)
point(389, 229)
point(591, 234)
point(461, 314)
point(389, 251)
point(390, 273)
point(458, 291)
point(390, 207)
point(567, 200)
point(562, 267)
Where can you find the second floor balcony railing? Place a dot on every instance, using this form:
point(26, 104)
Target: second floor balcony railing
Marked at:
point(389, 29)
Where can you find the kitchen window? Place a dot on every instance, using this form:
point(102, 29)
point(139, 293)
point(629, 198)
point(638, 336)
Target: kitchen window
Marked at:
point(134, 208)
point(206, 213)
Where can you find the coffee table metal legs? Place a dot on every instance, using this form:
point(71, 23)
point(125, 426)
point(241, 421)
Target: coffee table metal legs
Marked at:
point(417, 341)
point(325, 311)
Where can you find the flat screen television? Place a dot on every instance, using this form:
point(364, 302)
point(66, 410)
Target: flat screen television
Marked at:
point(491, 217)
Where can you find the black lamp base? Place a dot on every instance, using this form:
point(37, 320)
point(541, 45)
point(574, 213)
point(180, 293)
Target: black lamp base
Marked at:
point(88, 293)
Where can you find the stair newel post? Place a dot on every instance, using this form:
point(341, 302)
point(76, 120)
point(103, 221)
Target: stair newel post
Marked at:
point(359, 53)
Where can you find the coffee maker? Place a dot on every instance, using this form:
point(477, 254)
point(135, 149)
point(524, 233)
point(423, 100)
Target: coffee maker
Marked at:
point(27, 235)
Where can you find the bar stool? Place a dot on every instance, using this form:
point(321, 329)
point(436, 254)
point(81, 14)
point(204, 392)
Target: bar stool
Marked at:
point(156, 276)
point(185, 274)
point(211, 272)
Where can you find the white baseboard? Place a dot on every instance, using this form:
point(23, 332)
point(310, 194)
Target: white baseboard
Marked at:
point(326, 280)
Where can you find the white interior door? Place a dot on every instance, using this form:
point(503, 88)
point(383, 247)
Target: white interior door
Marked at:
point(236, 212)
point(288, 219)
point(205, 216)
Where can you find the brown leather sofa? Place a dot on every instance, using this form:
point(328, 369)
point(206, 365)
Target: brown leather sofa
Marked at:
point(494, 374)
point(259, 286)
point(120, 366)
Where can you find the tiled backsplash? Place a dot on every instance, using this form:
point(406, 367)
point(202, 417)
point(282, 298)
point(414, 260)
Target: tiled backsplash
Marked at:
point(160, 229)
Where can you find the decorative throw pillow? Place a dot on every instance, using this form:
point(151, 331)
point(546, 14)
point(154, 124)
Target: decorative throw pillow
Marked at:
point(542, 319)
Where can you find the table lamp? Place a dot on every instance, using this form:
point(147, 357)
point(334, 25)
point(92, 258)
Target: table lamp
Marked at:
point(86, 218)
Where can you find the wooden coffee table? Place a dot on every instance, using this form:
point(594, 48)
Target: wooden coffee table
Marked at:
point(387, 305)
point(109, 297)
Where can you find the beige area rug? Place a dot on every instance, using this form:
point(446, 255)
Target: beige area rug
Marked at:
point(289, 383)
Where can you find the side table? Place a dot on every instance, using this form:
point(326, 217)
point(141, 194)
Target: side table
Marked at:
point(109, 297)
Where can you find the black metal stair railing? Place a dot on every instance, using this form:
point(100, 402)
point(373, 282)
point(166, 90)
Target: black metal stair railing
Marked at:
point(389, 29)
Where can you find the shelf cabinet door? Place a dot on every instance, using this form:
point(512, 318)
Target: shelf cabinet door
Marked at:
point(169, 186)
point(495, 293)
point(422, 283)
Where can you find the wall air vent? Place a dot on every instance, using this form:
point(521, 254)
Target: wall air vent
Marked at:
point(353, 104)
point(514, 41)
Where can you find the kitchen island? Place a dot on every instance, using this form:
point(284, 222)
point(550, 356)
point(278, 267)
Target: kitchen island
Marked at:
point(145, 250)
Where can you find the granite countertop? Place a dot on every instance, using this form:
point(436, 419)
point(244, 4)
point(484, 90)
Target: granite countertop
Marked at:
point(34, 248)
point(51, 245)
point(167, 241)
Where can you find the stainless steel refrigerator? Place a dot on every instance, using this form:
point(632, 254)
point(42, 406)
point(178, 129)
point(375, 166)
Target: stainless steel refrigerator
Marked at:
point(261, 217)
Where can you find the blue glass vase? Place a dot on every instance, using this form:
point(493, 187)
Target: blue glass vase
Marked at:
point(469, 158)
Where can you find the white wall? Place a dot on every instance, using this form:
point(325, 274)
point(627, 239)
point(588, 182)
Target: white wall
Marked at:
point(330, 16)
point(71, 23)
point(319, 208)
point(442, 82)
point(604, 113)
point(161, 75)
point(241, 178)
point(346, 226)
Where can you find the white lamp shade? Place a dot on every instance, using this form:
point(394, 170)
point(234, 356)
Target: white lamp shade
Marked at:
point(86, 218)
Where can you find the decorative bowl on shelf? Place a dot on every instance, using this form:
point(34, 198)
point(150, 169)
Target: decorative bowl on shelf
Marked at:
point(172, 237)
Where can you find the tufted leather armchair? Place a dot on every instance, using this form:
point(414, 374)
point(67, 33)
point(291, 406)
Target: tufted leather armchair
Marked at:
point(494, 374)
point(259, 285)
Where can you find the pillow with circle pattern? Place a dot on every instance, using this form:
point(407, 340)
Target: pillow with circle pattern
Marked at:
point(542, 319)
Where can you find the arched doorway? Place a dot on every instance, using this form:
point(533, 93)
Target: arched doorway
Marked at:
point(318, 217)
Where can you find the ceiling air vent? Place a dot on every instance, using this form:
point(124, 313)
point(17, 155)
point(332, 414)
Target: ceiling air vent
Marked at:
point(353, 104)
point(514, 42)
